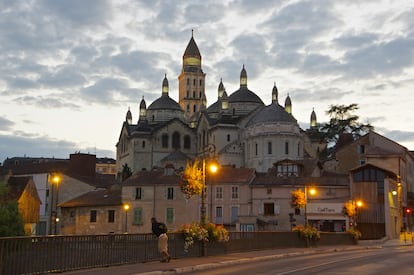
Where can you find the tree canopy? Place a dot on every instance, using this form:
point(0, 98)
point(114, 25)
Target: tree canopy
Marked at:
point(11, 221)
point(343, 120)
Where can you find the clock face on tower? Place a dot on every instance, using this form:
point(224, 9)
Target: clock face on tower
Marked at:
point(192, 61)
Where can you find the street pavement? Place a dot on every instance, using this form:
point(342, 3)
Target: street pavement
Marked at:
point(179, 266)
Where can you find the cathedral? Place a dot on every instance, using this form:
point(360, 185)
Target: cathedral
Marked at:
point(242, 129)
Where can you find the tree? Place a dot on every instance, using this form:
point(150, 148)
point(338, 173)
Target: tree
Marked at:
point(126, 172)
point(11, 221)
point(342, 120)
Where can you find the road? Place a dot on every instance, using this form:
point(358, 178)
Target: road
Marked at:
point(392, 260)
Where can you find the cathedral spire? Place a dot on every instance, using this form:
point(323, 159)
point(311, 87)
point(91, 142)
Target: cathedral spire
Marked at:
point(129, 116)
point(313, 122)
point(142, 109)
point(165, 88)
point(243, 78)
point(274, 94)
point(220, 88)
point(288, 105)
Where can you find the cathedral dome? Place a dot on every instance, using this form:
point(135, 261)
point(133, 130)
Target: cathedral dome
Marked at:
point(244, 95)
point(273, 113)
point(166, 103)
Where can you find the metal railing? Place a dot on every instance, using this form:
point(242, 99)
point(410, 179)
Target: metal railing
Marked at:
point(39, 255)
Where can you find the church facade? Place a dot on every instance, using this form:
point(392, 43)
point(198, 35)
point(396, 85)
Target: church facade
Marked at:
point(243, 130)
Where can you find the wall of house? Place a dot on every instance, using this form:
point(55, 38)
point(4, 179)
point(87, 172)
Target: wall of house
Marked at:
point(77, 221)
point(154, 203)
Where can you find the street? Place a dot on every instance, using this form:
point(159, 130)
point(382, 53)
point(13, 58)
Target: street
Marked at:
point(397, 260)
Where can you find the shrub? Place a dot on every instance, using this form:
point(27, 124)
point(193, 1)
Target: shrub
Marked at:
point(356, 234)
point(307, 232)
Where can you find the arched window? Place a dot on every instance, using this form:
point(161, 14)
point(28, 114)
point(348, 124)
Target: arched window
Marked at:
point(176, 140)
point(286, 148)
point(195, 108)
point(143, 144)
point(187, 142)
point(188, 107)
point(164, 141)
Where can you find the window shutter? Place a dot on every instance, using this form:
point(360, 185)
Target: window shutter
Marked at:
point(138, 215)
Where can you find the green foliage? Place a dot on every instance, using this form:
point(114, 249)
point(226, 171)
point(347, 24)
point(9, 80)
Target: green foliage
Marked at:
point(126, 172)
point(342, 120)
point(11, 221)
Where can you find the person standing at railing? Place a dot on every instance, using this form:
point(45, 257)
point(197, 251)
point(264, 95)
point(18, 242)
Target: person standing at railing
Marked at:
point(160, 230)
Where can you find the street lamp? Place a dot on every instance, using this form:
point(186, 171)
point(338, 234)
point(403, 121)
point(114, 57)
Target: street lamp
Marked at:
point(126, 208)
point(208, 149)
point(56, 179)
point(357, 204)
point(312, 191)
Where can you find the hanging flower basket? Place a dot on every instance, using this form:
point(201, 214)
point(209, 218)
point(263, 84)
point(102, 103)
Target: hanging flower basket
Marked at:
point(196, 232)
point(298, 199)
point(191, 182)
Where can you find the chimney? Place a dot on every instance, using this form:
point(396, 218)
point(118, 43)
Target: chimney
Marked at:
point(83, 164)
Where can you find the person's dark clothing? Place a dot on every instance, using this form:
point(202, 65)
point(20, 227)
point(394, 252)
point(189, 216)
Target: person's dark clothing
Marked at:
point(158, 228)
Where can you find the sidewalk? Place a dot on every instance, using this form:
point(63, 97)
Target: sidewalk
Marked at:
point(178, 266)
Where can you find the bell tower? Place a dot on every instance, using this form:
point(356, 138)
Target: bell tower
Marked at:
point(191, 81)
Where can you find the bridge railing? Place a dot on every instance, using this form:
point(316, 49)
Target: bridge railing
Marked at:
point(44, 254)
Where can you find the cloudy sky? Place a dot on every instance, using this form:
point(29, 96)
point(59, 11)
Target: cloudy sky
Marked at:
point(71, 69)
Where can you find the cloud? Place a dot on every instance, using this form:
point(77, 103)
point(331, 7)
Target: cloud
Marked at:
point(5, 124)
point(79, 12)
point(399, 136)
point(380, 59)
point(43, 146)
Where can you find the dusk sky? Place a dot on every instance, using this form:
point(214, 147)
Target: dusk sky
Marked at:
point(71, 69)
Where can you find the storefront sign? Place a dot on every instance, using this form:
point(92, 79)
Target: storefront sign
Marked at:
point(325, 208)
